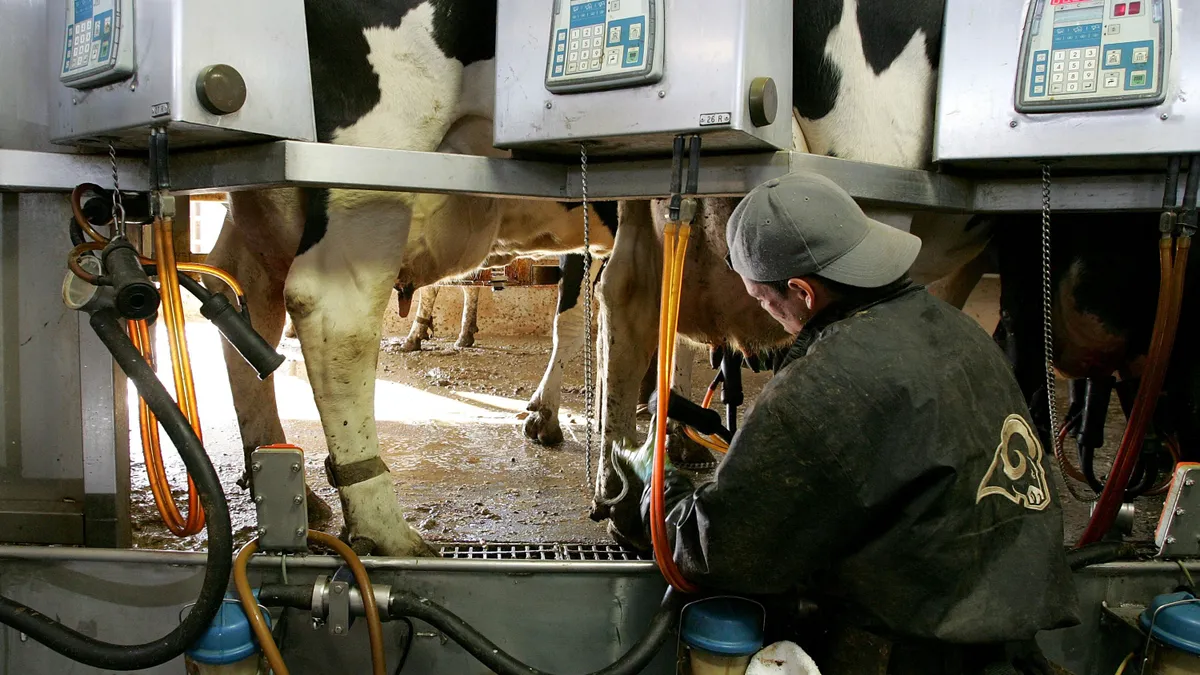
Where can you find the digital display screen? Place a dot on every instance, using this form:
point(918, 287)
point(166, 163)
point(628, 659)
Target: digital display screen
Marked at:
point(83, 10)
point(1081, 14)
point(587, 13)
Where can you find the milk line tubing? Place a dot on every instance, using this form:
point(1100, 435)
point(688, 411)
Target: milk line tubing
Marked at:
point(235, 326)
point(675, 241)
point(1177, 226)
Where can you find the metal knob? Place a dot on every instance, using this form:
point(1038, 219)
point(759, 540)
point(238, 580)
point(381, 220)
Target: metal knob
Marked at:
point(221, 89)
point(764, 101)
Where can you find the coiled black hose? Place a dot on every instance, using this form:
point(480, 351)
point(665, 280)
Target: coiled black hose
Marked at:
point(106, 655)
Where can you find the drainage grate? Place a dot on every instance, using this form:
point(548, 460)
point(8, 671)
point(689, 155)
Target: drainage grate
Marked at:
point(585, 552)
point(500, 551)
point(596, 552)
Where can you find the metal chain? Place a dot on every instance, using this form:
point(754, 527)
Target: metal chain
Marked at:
point(118, 206)
point(1048, 340)
point(1047, 332)
point(588, 403)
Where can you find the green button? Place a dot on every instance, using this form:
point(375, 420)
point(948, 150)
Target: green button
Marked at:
point(1138, 79)
point(631, 55)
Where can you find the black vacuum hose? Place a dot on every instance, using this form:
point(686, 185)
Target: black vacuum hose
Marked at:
point(1099, 553)
point(106, 655)
point(234, 326)
point(404, 603)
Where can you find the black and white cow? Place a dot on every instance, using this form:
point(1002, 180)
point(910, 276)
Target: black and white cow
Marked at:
point(418, 75)
point(408, 74)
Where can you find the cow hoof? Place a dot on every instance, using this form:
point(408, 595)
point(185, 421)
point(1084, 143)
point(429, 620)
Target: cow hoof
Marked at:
point(318, 511)
point(464, 342)
point(362, 546)
point(542, 427)
point(410, 545)
point(625, 521)
point(410, 344)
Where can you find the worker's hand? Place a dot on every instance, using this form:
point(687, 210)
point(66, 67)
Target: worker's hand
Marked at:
point(639, 462)
point(632, 469)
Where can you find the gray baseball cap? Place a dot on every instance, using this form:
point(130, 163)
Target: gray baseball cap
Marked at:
point(804, 224)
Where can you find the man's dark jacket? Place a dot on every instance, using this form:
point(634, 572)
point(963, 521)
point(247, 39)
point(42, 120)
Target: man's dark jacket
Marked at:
point(891, 468)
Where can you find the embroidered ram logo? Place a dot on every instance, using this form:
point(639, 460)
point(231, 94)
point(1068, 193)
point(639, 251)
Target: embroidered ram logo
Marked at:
point(1016, 472)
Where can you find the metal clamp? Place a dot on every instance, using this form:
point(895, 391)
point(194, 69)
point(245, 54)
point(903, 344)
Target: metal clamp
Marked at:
point(279, 498)
point(319, 611)
point(338, 616)
point(336, 601)
point(683, 204)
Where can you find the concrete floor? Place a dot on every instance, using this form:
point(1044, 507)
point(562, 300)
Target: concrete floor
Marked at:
point(450, 430)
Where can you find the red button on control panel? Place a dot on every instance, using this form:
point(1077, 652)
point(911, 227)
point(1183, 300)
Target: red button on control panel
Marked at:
point(1135, 8)
point(1119, 9)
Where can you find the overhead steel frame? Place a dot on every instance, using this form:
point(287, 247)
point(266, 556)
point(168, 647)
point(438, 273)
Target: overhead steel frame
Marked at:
point(322, 165)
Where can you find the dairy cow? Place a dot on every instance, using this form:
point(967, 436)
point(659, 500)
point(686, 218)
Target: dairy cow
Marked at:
point(418, 75)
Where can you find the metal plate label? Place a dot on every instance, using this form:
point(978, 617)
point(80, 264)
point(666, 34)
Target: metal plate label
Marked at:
point(712, 119)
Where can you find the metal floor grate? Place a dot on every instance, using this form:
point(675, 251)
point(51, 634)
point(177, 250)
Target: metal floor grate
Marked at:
point(500, 551)
point(587, 552)
point(596, 552)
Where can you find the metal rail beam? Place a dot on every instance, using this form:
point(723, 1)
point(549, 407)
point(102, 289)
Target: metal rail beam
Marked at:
point(293, 163)
point(26, 171)
point(298, 164)
point(1142, 192)
point(311, 561)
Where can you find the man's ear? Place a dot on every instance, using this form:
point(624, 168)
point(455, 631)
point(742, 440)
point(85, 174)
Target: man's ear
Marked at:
point(805, 289)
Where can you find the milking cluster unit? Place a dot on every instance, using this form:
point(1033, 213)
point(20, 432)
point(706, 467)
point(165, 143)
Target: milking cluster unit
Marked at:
point(668, 98)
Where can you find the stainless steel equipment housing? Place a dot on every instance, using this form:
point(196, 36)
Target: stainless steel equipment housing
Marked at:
point(264, 40)
point(714, 50)
point(977, 120)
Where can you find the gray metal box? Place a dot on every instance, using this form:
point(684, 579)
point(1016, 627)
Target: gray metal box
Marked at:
point(174, 40)
point(978, 123)
point(714, 49)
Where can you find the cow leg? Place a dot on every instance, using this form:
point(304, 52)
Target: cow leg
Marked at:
point(629, 295)
point(250, 252)
point(956, 287)
point(470, 314)
point(422, 325)
point(542, 426)
point(336, 293)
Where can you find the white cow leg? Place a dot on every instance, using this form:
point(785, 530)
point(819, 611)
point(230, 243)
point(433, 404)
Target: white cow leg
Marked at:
point(543, 425)
point(422, 325)
point(336, 293)
point(470, 316)
point(629, 296)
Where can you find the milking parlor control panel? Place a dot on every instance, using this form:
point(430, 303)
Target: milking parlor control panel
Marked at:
point(1093, 55)
point(604, 44)
point(99, 44)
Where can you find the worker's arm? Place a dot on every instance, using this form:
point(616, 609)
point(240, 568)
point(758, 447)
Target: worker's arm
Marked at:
point(780, 507)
